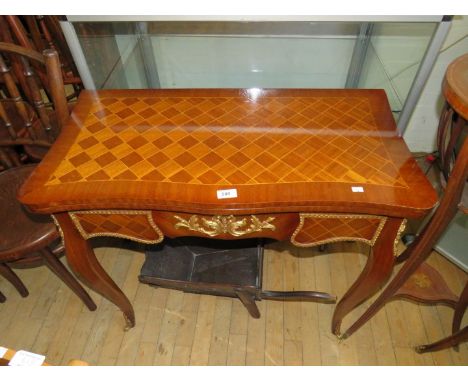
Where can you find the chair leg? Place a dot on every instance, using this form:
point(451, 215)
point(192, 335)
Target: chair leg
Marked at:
point(56, 266)
point(450, 341)
point(460, 310)
point(11, 276)
point(421, 248)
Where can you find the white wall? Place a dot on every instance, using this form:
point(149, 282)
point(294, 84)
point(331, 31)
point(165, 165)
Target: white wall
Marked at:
point(421, 132)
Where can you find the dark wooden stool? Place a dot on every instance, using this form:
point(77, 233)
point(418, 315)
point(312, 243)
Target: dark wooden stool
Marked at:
point(231, 268)
point(416, 280)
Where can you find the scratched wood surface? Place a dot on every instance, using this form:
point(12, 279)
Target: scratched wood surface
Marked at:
point(176, 328)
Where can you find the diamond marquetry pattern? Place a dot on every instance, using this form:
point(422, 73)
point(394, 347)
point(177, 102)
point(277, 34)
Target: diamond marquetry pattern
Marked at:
point(228, 141)
point(317, 230)
point(132, 226)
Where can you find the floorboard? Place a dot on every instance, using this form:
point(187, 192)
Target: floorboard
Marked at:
point(176, 328)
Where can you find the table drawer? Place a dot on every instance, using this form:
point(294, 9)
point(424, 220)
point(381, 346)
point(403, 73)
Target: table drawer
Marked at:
point(310, 228)
point(127, 224)
point(316, 228)
point(276, 226)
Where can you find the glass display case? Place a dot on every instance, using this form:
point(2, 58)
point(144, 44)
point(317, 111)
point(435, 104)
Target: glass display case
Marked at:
point(392, 53)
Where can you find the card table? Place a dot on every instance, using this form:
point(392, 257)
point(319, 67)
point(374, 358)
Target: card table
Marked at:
point(304, 165)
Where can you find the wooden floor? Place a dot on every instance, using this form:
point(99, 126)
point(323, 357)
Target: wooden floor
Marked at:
point(174, 328)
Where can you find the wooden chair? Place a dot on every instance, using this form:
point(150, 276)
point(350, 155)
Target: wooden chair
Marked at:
point(27, 238)
point(26, 119)
point(40, 33)
point(417, 280)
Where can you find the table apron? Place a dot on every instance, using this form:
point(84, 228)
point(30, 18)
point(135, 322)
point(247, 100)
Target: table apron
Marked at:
point(302, 229)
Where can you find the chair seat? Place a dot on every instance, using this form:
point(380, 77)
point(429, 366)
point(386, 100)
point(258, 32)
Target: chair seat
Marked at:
point(20, 231)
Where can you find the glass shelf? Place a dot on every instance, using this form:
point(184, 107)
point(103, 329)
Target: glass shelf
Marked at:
point(395, 53)
point(267, 54)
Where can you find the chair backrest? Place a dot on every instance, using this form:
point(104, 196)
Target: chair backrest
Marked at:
point(453, 129)
point(40, 33)
point(452, 132)
point(453, 122)
point(29, 113)
point(49, 28)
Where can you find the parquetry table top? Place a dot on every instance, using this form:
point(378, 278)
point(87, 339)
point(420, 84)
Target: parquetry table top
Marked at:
point(156, 147)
